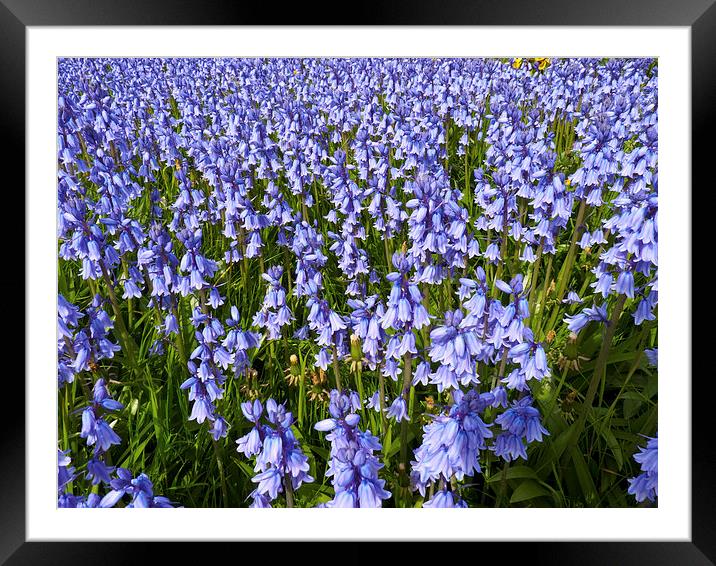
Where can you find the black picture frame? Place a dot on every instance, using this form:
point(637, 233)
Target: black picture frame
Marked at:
point(17, 15)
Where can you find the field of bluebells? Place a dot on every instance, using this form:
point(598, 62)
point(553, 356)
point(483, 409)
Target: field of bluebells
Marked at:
point(357, 282)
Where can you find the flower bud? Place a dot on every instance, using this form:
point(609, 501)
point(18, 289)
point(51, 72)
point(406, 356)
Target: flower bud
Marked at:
point(294, 369)
point(356, 353)
point(570, 350)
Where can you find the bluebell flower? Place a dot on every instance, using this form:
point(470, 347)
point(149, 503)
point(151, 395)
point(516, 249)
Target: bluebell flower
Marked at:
point(519, 422)
point(65, 472)
point(452, 442)
point(398, 409)
point(94, 428)
point(209, 360)
point(594, 313)
point(322, 156)
point(572, 298)
point(373, 402)
point(646, 485)
point(139, 488)
point(98, 471)
point(219, 428)
point(238, 341)
point(445, 498)
point(645, 309)
point(274, 313)
point(352, 465)
point(531, 357)
point(279, 457)
point(456, 348)
point(405, 310)
point(77, 348)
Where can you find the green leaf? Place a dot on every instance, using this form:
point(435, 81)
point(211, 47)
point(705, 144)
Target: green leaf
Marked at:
point(631, 407)
point(557, 447)
point(247, 469)
point(388, 442)
point(516, 472)
point(652, 386)
point(584, 477)
point(528, 489)
point(613, 444)
point(322, 452)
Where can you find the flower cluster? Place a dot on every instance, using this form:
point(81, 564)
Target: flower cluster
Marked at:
point(352, 465)
point(646, 485)
point(274, 313)
point(281, 463)
point(78, 349)
point(452, 443)
point(449, 224)
point(519, 422)
point(140, 489)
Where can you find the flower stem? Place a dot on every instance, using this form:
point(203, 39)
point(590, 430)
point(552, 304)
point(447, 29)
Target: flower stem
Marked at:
point(381, 404)
point(180, 335)
point(597, 375)
point(407, 378)
point(359, 387)
point(220, 464)
point(533, 282)
point(500, 371)
point(301, 396)
point(336, 368)
point(542, 298)
point(126, 342)
point(289, 489)
point(566, 271)
point(503, 485)
point(555, 395)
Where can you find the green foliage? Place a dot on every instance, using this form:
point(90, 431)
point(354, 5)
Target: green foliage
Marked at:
point(186, 466)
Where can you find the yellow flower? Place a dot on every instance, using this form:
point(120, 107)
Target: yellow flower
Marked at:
point(517, 63)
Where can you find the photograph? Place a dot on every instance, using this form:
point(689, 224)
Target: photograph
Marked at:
point(329, 282)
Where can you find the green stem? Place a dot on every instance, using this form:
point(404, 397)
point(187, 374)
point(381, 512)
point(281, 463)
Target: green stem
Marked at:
point(635, 364)
point(555, 396)
point(599, 368)
point(289, 489)
point(426, 303)
point(566, 271)
point(468, 195)
point(301, 396)
point(503, 485)
point(359, 387)
point(126, 342)
point(533, 282)
point(407, 379)
point(388, 262)
point(130, 304)
point(542, 298)
point(503, 252)
point(336, 368)
point(383, 418)
point(180, 336)
point(220, 464)
point(447, 151)
point(501, 370)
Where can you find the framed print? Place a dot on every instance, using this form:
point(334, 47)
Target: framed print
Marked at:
point(413, 266)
